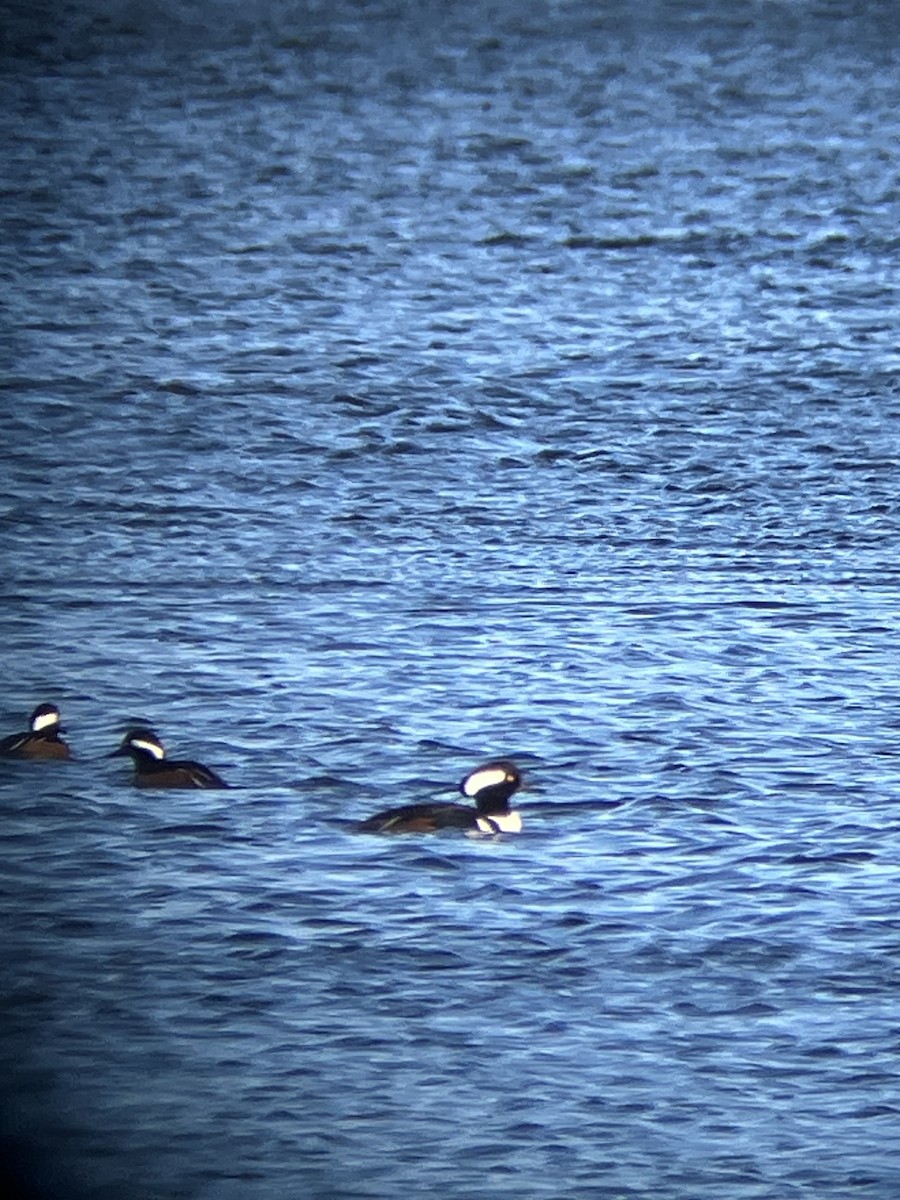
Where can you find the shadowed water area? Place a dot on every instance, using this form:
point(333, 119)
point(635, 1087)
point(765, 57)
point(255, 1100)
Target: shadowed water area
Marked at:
point(389, 387)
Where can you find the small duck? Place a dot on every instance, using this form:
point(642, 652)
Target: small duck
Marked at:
point(42, 739)
point(152, 768)
point(490, 786)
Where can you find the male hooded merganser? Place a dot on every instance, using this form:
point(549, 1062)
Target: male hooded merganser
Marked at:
point(490, 786)
point(153, 769)
point(41, 741)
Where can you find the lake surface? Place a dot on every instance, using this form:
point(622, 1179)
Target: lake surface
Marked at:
point(392, 386)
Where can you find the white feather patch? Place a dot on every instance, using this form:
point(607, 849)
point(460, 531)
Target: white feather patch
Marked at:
point(510, 822)
point(45, 721)
point(489, 777)
point(153, 748)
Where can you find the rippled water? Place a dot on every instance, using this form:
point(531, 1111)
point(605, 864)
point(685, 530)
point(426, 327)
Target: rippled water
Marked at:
point(390, 386)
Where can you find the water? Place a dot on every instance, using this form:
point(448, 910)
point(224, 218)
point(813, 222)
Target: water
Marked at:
point(392, 386)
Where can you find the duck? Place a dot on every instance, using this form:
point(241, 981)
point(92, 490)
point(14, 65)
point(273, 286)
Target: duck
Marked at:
point(491, 786)
point(153, 770)
point(41, 740)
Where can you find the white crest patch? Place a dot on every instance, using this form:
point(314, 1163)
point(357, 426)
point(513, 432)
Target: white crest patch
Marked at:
point(510, 822)
point(153, 748)
point(488, 777)
point(45, 721)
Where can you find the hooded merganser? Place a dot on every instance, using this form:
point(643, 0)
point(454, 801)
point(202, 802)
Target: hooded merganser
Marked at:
point(153, 769)
point(490, 786)
point(41, 741)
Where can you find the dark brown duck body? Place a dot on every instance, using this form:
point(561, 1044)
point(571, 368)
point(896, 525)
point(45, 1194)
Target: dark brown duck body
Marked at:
point(491, 786)
point(153, 770)
point(41, 740)
point(421, 818)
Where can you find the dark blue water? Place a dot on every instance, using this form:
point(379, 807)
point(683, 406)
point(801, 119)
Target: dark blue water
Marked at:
point(389, 386)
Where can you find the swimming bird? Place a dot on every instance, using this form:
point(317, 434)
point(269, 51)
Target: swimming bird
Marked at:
point(42, 739)
point(152, 769)
point(490, 786)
